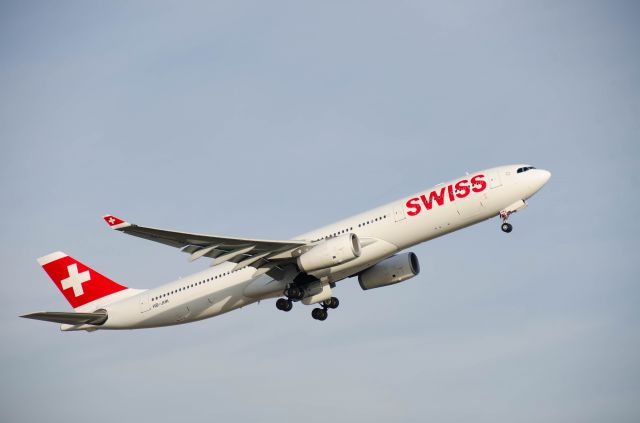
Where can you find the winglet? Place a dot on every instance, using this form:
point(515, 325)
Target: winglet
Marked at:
point(115, 222)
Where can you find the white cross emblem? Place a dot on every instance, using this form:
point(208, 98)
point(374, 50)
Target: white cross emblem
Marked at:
point(112, 220)
point(75, 280)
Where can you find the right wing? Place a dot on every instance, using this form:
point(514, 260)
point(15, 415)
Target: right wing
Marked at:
point(258, 253)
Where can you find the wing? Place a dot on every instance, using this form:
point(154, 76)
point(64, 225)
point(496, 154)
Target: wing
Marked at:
point(258, 253)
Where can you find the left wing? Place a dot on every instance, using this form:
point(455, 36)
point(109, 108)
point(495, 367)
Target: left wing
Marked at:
point(258, 253)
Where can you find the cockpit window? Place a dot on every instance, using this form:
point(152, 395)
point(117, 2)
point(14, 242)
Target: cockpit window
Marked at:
point(524, 169)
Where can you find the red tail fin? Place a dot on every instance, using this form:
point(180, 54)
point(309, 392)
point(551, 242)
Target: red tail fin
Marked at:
point(78, 283)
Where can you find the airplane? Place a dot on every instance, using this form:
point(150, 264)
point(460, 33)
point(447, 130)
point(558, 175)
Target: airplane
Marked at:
point(305, 269)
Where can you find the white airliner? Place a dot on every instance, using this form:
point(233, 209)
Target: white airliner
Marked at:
point(305, 268)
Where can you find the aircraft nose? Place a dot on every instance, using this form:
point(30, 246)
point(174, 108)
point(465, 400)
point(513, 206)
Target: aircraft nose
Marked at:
point(545, 175)
point(539, 178)
point(536, 179)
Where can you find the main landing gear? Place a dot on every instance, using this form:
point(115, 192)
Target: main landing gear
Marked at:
point(293, 293)
point(321, 313)
point(286, 304)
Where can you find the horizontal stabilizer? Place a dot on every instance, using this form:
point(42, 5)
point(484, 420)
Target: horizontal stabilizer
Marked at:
point(69, 318)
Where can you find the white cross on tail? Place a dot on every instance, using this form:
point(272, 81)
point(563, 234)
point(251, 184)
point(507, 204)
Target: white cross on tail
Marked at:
point(75, 279)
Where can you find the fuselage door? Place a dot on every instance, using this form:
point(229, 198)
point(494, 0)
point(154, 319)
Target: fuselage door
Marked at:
point(398, 213)
point(494, 180)
point(145, 304)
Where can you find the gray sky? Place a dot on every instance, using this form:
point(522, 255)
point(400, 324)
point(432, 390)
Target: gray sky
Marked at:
point(267, 119)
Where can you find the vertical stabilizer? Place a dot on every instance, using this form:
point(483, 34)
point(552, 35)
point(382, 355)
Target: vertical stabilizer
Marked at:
point(78, 283)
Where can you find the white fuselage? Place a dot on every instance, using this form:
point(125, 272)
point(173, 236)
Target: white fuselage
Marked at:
point(383, 232)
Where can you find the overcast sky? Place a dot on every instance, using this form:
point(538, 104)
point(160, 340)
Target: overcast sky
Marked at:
point(267, 119)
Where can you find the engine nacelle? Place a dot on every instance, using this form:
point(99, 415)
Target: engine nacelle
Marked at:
point(395, 269)
point(331, 252)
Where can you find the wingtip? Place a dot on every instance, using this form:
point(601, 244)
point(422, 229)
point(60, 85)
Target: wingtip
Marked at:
point(115, 222)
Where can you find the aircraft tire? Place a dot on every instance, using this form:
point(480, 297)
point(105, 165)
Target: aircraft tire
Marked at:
point(506, 227)
point(332, 302)
point(322, 314)
point(319, 314)
point(294, 293)
point(284, 304)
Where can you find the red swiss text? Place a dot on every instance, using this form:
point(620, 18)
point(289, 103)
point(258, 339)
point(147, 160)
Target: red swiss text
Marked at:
point(460, 189)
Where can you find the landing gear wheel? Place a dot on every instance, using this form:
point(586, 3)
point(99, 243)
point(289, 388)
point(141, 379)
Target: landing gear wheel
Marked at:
point(294, 293)
point(332, 302)
point(319, 314)
point(506, 227)
point(284, 304)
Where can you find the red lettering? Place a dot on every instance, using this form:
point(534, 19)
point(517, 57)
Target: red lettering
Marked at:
point(413, 204)
point(478, 180)
point(460, 189)
point(451, 196)
point(433, 195)
point(462, 186)
point(426, 203)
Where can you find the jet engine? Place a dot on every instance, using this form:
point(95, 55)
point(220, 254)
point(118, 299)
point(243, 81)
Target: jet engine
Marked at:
point(395, 269)
point(331, 252)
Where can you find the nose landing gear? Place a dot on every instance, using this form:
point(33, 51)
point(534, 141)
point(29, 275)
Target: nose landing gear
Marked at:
point(508, 211)
point(506, 227)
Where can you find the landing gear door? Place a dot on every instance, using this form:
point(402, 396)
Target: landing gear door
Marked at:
point(494, 180)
